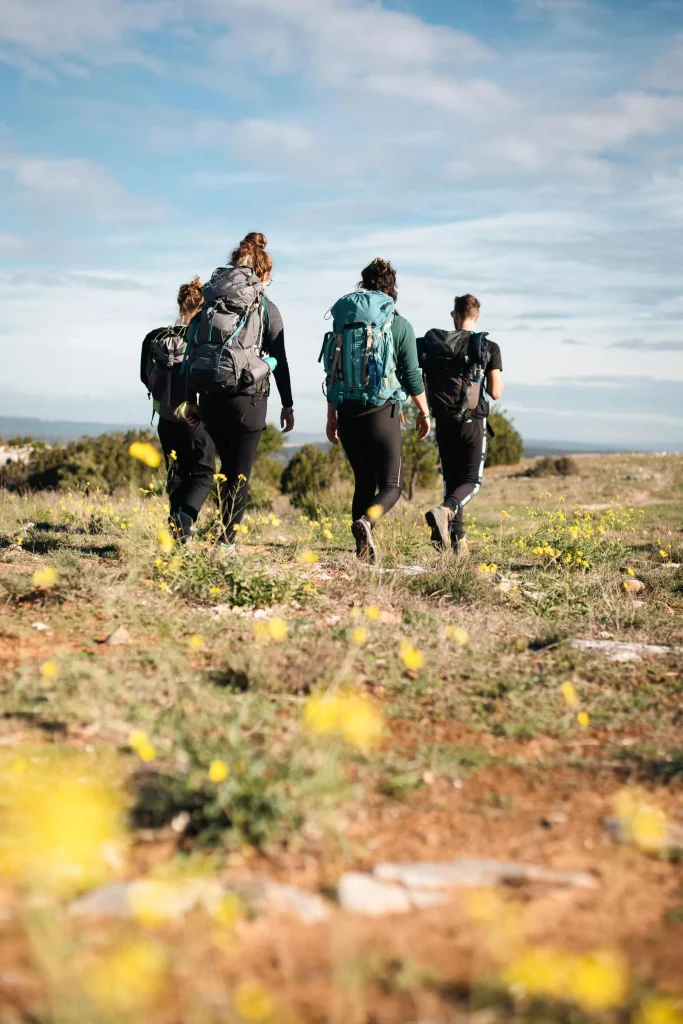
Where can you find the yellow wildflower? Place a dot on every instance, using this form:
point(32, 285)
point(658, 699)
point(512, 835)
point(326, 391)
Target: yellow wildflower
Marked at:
point(659, 1010)
point(349, 715)
point(127, 980)
point(196, 642)
point(45, 577)
point(584, 719)
point(227, 910)
point(146, 453)
point(139, 742)
point(570, 695)
point(220, 478)
point(327, 534)
point(61, 826)
point(218, 771)
point(410, 656)
point(214, 590)
point(308, 558)
point(359, 636)
point(173, 456)
point(252, 1002)
point(457, 634)
point(629, 571)
point(277, 629)
point(165, 541)
point(540, 972)
point(664, 554)
point(372, 613)
point(375, 513)
point(600, 982)
point(642, 824)
point(48, 669)
point(506, 515)
point(163, 586)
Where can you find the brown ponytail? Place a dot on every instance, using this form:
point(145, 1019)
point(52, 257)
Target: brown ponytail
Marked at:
point(190, 297)
point(251, 252)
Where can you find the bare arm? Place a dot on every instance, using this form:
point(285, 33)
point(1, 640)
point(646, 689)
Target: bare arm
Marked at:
point(494, 384)
point(331, 429)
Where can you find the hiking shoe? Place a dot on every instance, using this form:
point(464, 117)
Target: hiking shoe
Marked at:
point(439, 521)
point(365, 544)
point(460, 548)
point(182, 526)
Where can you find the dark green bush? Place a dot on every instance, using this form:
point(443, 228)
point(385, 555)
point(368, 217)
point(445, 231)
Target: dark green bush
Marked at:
point(420, 458)
point(312, 471)
point(507, 447)
point(562, 465)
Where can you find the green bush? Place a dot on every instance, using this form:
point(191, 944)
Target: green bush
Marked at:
point(312, 472)
point(507, 447)
point(86, 464)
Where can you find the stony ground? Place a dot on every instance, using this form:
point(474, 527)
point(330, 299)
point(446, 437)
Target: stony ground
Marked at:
point(292, 719)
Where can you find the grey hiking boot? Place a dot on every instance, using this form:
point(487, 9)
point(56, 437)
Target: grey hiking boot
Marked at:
point(182, 525)
point(365, 544)
point(439, 520)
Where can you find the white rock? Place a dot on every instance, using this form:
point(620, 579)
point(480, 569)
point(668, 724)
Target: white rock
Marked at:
point(307, 905)
point(475, 872)
point(118, 638)
point(42, 627)
point(615, 650)
point(360, 893)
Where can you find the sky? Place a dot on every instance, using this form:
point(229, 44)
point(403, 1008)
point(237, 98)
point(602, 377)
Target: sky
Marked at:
point(527, 151)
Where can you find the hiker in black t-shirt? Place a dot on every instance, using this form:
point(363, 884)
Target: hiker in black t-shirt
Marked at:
point(461, 368)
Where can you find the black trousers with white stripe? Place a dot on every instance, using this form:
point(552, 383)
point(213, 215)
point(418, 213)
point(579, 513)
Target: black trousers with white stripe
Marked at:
point(462, 450)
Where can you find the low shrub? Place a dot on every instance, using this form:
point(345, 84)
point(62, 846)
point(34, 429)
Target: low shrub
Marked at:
point(561, 465)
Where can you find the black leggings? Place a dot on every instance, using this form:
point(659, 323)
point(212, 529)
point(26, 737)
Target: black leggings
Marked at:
point(235, 425)
point(462, 449)
point(372, 441)
point(189, 476)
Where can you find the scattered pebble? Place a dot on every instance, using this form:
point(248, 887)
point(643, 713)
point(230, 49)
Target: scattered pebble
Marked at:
point(118, 638)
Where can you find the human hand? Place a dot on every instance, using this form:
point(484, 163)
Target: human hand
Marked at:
point(287, 420)
point(191, 415)
point(423, 425)
point(332, 430)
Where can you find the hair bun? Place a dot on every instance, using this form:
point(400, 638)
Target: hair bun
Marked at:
point(256, 239)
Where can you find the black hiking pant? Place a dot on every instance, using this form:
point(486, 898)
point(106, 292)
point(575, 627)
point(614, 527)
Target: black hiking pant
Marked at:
point(235, 424)
point(462, 450)
point(371, 438)
point(189, 476)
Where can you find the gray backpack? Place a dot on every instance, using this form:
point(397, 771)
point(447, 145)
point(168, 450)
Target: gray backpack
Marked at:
point(225, 340)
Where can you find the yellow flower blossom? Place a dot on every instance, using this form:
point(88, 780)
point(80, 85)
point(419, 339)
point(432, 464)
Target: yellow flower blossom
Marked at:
point(346, 714)
point(196, 642)
point(359, 636)
point(127, 980)
point(664, 554)
point(375, 513)
point(372, 613)
point(61, 825)
point(570, 695)
point(584, 719)
point(139, 742)
point(327, 534)
point(252, 1002)
point(48, 669)
point(214, 590)
point(218, 771)
point(629, 571)
point(659, 1010)
point(277, 629)
point(308, 558)
point(641, 823)
point(165, 541)
point(505, 514)
point(163, 586)
point(227, 910)
point(541, 972)
point(146, 453)
point(457, 634)
point(600, 982)
point(410, 656)
point(45, 577)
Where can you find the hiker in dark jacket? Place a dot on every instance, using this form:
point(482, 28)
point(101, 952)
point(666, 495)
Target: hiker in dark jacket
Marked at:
point(235, 413)
point(461, 368)
point(370, 433)
point(188, 450)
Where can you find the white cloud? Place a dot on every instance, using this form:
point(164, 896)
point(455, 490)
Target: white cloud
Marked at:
point(73, 185)
point(667, 70)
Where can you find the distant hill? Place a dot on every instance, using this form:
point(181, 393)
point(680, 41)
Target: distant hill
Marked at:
point(58, 430)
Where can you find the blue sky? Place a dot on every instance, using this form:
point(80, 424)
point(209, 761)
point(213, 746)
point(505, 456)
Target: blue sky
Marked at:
point(528, 151)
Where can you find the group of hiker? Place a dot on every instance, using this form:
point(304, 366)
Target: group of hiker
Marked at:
point(210, 375)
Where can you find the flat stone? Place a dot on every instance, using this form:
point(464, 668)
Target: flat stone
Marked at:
point(477, 872)
point(106, 901)
point(615, 650)
point(633, 586)
point(306, 905)
point(168, 901)
point(360, 893)
point(118, 638)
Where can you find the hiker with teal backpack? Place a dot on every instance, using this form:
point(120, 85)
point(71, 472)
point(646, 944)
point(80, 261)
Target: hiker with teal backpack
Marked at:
point(188, 450)
point(371, 366)
point(235, 343)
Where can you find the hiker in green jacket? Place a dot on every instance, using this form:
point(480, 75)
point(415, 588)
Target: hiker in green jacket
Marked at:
point(371, 365)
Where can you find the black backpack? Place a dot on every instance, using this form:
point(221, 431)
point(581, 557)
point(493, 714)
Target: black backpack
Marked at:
point(161, 359)
point(454, 364)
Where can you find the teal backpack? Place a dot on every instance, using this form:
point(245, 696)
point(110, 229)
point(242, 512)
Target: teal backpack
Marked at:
point(358, 353)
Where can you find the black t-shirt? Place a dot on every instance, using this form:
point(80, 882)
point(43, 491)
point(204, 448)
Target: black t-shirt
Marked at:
point(494, 361)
